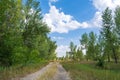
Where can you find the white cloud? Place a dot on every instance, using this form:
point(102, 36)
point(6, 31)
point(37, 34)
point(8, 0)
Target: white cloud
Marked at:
point(96, 21)
point(100, 5)
point(53, 0)
point(61, 50)
point(57, 38)
point(61, 22)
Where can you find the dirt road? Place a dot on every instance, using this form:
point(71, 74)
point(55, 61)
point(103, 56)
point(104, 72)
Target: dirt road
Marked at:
point(61, 73)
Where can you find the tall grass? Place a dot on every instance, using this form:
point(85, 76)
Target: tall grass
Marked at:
point(81, 71)
point(15, 72)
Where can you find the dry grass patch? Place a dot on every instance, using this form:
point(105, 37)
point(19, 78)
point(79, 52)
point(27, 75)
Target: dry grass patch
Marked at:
point(17, 72)
point(49, 73)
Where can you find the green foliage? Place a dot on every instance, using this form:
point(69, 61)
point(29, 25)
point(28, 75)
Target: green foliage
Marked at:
point(117, 22)
point(84, 40)
point(72, 50)
point(19, 55)
point(23, 34)
point(79, 54)
point(117, 30)
point(9, 30)
point(109, 35)
point(74, 54)
point(101, 62)
point(91, 51)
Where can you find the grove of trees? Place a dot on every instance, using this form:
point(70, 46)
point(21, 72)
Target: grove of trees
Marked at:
point(106, 45)
point(23, 34)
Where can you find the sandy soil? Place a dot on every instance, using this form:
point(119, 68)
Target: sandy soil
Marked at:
point(61, 73)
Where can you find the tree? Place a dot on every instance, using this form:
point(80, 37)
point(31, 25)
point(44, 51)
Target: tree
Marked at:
point(23, 34)
point(91, 51)
point(51, 50)
point(117, 28)
point(117, 23)
point(9, 29)
point(72, 50)
point(35, 30)
point(108, 33)
point(100, 51)
point(34, 26)
point(67, 56)
point(79, 54)
point(84, 40)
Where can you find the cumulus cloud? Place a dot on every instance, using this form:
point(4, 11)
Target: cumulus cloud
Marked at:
point(57, 38)
point(53, 0)
point(61, 50)
point(96, 21)
point(100, 5)
point(61, 22)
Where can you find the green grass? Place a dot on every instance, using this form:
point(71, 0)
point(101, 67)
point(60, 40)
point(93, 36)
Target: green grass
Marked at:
point(8, 73)
point(88, 71)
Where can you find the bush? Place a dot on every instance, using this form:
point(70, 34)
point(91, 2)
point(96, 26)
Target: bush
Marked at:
point(101, 63)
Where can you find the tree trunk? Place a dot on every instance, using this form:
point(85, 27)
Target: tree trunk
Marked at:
point(108, 58)
point(115, 56)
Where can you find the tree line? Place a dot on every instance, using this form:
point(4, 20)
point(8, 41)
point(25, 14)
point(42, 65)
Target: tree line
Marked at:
point(23, 34)
point(102, 47)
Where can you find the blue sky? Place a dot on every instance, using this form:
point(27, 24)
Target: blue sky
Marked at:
point(69, 19)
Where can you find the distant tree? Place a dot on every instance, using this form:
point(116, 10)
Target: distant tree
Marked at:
point(84, 43)
point(84, 40)
point(67, 56)
point(91, 51)
point(72, 50)
point(79, 54)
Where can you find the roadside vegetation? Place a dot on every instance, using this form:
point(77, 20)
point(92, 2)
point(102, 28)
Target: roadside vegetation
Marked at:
point(89, 71)
point(24, 43)
point(16, 72)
